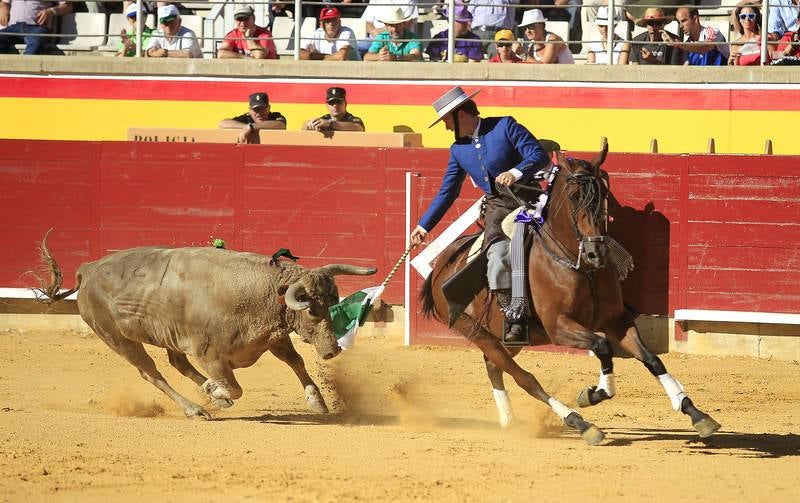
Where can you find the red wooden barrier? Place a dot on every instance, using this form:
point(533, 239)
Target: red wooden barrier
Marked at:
point(706, 232)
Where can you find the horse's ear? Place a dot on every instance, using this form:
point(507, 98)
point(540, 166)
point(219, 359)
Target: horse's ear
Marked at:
point(561, 159)
point(601, 156)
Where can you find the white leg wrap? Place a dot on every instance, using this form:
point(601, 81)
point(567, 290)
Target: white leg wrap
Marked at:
point(559, 408)
point(607, 383)
point(674, 390)
point(503, 407)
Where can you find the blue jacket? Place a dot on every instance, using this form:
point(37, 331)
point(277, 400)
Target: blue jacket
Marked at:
point(502, 144)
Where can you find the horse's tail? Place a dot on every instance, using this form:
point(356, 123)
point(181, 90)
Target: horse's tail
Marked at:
point(48, 291)
point(426, 298)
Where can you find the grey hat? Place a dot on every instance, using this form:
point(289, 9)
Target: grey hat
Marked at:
point(450, 101)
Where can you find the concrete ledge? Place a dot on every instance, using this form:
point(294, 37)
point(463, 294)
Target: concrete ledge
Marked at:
point(761, 340)
point(92, 65)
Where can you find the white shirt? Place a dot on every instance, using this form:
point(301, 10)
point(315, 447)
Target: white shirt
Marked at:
point(184, 40)
point(347, 38)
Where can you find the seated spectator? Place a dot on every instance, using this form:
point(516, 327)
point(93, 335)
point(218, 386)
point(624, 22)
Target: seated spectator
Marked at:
point(649, 48)
point(172, 40)
point(397, 43)
point(468, 46)
point(25, 20)
point(783, 17)
point(337, 118)
point(698, 53)
point(789, 45)
point(373, 24)
point(127, 44)
point(598, 49)
point(257, 118)
point(331, 41)
point(247, 40)
point(504, 40)
point(489, 17)
point(746, 50)
point(544, 47)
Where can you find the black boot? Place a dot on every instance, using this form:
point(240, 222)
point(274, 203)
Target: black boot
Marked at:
point(515, 332)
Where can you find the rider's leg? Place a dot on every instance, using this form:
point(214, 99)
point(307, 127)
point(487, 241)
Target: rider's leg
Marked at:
point(498, 272)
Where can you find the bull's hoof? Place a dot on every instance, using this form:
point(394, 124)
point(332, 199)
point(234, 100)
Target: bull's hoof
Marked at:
point(706, 426)
point(591, 396)
point(195, 411)
point(593, 435)
point(315, 401)
point(221, 403)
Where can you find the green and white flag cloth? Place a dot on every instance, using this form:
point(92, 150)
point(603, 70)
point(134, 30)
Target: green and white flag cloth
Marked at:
point(351, 312)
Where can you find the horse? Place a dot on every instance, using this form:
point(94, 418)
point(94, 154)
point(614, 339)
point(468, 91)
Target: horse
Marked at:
point(573, 276)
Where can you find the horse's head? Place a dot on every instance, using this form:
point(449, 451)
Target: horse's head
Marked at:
point(585, 190)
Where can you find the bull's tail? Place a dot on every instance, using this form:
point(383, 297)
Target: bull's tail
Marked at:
point(48, 290)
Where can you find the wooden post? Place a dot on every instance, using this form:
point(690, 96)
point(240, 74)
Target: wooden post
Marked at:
point(768, 147)
point(654, 146)
point(711, 147)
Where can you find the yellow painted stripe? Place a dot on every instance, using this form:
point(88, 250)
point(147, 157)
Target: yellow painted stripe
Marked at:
point(677, 131)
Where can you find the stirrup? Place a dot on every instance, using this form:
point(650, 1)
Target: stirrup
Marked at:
point(515, 333)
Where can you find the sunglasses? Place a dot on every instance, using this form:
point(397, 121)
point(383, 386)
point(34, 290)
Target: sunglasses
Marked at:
point(503, 45)
point(749, 16)
point(654, 22)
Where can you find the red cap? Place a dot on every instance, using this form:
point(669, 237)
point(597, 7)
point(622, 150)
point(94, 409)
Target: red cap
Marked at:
point(329, 13)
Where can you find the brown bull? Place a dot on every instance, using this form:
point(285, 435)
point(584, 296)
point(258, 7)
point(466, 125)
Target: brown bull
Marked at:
point(224, 308)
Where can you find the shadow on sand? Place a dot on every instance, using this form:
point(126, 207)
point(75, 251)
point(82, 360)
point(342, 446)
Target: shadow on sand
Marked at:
point(751, 445)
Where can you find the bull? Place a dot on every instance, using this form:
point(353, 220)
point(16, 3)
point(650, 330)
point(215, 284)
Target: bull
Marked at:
point(224, 308)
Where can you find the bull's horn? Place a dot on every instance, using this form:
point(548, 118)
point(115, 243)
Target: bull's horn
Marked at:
point(350, 270)
point(291, 294)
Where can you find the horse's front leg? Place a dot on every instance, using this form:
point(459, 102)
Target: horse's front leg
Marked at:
point(568, 332)
point(499, 388)
point(628, 335)
point(495, 352)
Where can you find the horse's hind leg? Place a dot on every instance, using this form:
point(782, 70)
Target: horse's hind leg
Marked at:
point(632, 342)
point(499, 389)
point(495, 352)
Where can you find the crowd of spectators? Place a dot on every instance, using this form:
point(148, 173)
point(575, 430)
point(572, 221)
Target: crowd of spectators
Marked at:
point(493, 30)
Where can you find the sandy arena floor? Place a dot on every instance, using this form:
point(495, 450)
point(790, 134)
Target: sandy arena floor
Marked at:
point(77, 423)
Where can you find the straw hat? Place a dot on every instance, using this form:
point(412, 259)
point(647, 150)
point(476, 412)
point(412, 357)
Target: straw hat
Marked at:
point(394, 15)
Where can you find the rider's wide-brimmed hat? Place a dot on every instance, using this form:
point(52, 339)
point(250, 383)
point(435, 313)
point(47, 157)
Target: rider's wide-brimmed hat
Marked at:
point(394, 15)
point(532, 16)
point(449, 101)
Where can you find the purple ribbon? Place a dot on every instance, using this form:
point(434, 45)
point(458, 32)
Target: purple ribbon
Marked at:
point(523, 217)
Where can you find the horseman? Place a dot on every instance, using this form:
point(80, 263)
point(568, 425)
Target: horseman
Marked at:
point(495, 152)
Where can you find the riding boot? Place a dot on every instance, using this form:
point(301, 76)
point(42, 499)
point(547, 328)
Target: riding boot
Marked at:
point(515, 331)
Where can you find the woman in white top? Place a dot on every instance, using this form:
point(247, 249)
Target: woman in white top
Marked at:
point(545, 47)
point(598, 49)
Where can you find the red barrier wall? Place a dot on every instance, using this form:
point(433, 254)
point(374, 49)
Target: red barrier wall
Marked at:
point(706, 232)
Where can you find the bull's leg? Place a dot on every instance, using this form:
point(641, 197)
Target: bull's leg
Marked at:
point(221, 384)
point(134, 352)
point(180, 362)
point(499, 389)
point(285, 352)
point(629, 339)
point(495, 352)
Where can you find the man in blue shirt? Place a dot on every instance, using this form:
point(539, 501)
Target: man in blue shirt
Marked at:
point(495, 152)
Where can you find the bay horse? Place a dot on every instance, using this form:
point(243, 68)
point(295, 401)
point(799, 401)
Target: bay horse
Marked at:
point(574, 271)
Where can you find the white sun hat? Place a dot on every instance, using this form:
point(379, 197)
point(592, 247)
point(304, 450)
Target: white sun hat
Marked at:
point(449, 101)
point(532, 16)
point(394, 15)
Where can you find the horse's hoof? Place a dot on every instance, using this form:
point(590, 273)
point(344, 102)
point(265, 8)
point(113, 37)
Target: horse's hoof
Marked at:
point(706, 427)
point(583, 397)
point(593, 435)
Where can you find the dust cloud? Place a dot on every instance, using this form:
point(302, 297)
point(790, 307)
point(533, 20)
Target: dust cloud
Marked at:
point(127, 403)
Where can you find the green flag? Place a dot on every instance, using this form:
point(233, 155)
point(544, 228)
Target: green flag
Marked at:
point(351, 312)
